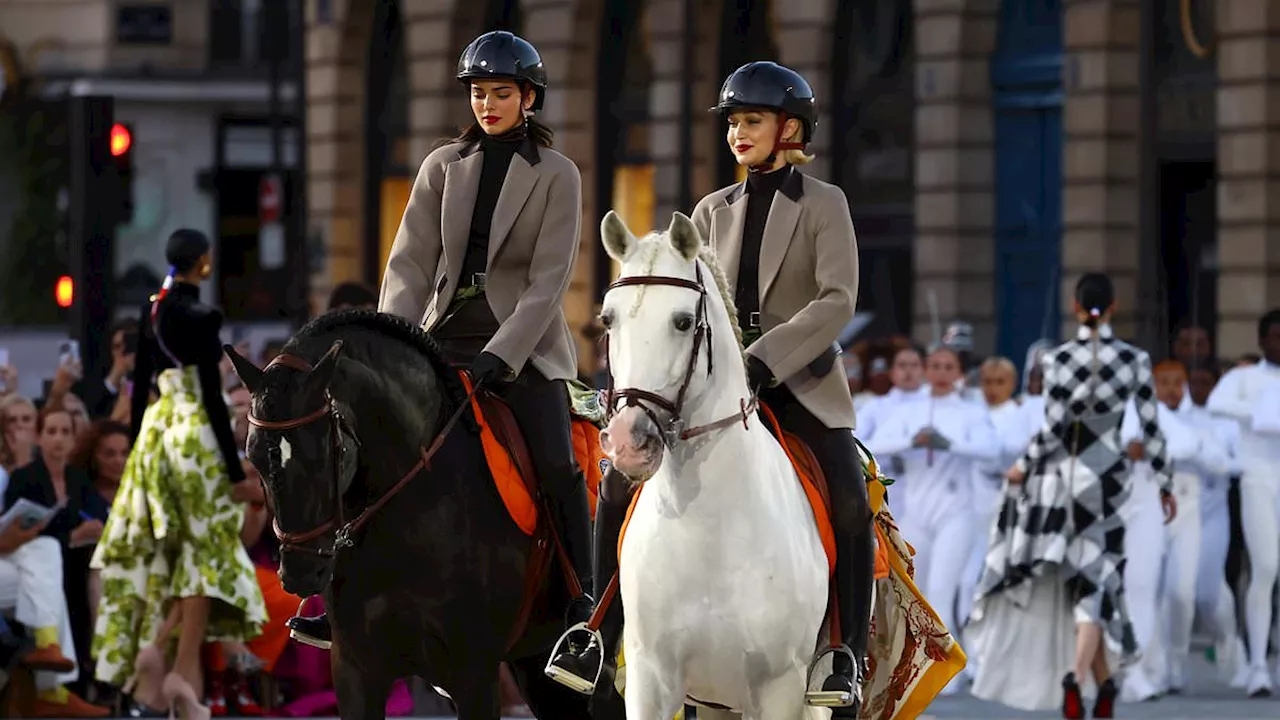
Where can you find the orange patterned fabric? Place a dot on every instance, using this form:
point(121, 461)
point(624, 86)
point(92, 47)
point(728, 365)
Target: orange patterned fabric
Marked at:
point(506, 476)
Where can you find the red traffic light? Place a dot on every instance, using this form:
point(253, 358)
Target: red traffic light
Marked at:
point(65, 291)
point(121, 140)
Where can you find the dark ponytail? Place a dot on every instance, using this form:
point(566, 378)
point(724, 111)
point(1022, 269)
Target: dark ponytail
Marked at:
point(1095, 295)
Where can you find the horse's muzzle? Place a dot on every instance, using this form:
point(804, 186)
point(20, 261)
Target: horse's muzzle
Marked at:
point(633, 443)
point(305, 575)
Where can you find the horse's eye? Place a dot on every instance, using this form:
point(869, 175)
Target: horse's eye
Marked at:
point(683, 322)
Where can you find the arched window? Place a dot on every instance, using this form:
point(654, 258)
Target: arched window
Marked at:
point(624, 177)
point(745, 36)
point(503, 15)
point(872, 140)
point(388, 169)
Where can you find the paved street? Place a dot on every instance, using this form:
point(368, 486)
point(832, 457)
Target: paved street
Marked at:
point(1206, 699)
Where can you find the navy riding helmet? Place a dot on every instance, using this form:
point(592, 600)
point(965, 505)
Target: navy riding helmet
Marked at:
point(500, 54)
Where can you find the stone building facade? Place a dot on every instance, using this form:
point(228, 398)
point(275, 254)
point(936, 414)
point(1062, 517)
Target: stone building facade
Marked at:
point(932, 192)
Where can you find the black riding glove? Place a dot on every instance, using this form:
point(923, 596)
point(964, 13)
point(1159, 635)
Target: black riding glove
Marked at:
point(489, 369)
point(759, 376)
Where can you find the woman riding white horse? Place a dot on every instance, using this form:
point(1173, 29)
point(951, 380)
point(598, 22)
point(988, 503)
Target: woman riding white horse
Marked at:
point(723, 573)
point(788, 245)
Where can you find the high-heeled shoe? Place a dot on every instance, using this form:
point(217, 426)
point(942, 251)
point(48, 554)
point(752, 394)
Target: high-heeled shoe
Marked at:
point(179, 694)
point(1072, 700)
point(1104, 706)
point(148, 677)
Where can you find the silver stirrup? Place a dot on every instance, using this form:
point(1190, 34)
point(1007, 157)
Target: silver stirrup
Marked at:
point(832, 698)
point(308, 640)
point(568, 679)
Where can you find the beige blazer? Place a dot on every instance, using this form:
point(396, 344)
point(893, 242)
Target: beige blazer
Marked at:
point(532, 248)
point(808, 283)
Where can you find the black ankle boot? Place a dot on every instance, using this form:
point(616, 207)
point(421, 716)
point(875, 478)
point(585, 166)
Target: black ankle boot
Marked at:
point(581, 659)
point(313, 631)
point(1104, 706)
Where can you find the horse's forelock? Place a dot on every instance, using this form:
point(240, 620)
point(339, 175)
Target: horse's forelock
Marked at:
point(651, 248)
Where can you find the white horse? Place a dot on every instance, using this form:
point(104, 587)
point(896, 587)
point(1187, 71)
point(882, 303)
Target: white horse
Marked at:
point(722, 571)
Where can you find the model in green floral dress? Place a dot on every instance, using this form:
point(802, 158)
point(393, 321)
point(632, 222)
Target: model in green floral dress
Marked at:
point(170, 553)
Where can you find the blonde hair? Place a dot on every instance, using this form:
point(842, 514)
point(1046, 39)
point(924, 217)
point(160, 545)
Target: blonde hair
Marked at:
point(796, 157)
point(1000, 363)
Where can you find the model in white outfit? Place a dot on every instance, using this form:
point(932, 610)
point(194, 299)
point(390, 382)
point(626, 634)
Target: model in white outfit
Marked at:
point(31, 589)
point(1215, 603)
point(1196, 452)
point(1243, 394)
point(1013, 428)
point(940, 442)
point(907, 373)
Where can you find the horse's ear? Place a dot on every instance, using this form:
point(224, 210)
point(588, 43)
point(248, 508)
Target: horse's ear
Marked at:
point(684, 236)
point(250, 374)
point(322, 373)
point(616, 237)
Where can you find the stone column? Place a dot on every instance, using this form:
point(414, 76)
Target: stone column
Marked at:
point(335, 56)
point(804, 33)
point(1248, 34)
point(566, 33)
point(954, 203)
point(431, 55)
point(1100, 214)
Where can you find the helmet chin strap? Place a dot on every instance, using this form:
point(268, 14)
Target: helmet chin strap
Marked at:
point(778, 146)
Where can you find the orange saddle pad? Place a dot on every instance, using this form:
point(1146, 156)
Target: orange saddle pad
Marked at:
point(517, 492)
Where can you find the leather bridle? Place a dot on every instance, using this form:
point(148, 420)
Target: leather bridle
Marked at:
point(338, 426)
point(674, 429)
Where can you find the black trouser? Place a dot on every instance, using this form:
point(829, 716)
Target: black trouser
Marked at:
point(541, 409)
point(837, 455)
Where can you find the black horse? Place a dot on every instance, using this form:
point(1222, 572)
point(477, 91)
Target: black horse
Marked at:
point(430, 582)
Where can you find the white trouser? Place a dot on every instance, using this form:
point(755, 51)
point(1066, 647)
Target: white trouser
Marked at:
point(1215, 542)
point(940, 529)
point(1260, 521)
point(1181, 562)
point(1143, 549)
point(31, 588)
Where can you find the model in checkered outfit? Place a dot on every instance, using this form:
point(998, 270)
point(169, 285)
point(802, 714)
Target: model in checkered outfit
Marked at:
point(1055, 565)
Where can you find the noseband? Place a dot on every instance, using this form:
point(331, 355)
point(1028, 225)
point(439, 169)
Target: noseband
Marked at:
point(297, 541)
point(337, 426)
point(674, 430)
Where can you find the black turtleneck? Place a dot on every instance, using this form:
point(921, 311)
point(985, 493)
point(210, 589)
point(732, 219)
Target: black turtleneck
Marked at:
point(189, 330)
point(497, 150)
point(761, 188)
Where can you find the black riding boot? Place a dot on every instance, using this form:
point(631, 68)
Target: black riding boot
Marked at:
point(313, 631)
point(571, 519)
point(855, 573)
point(581, 659)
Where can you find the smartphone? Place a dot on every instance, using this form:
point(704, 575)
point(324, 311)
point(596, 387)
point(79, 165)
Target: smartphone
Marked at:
point(4, 356)
point(69, 351)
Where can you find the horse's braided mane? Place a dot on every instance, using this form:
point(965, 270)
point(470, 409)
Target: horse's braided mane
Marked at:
point(707, 255)
point(392, 327)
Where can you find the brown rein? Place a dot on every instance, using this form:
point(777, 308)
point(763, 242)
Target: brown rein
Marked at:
point(674, 430)
point(345, 529)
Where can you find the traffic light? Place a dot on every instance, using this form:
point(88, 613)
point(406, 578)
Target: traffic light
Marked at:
point(120, 141)
point(64, 292)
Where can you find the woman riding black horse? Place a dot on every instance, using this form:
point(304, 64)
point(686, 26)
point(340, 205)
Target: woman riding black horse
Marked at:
point(483, 258)
point(792, 314)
